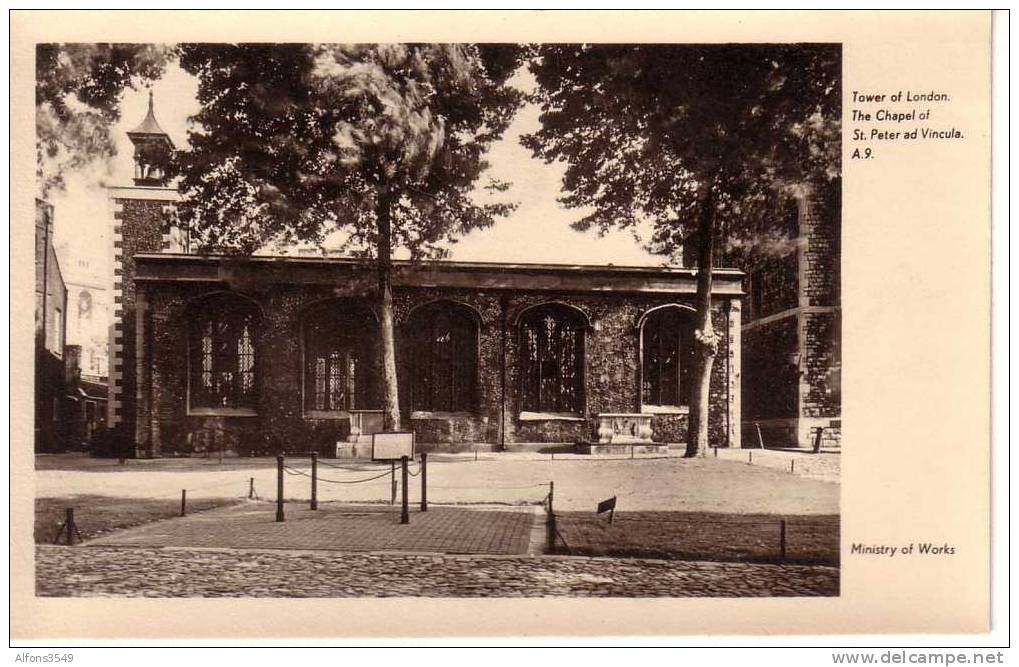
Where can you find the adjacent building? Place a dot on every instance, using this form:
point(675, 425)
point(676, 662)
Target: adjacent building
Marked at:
point(68, 409)
point(87, 282)
point(792, 327)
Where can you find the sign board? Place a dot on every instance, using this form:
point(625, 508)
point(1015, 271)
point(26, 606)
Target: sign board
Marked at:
point(392, 446)
point(606, 505)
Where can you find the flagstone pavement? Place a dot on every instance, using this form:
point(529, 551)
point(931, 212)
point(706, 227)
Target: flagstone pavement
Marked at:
point(340, 527)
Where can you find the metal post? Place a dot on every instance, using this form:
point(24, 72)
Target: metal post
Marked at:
point(314, 480)
point(424, 481)
point(716, 452)
point(750, 457)
point(792, 465)
point(392, 477)
point(251, 488)
point(781, 540)
point(69, 525)
point(183, 501)
point(279, 488)
point(550, 520)
point(404, 510)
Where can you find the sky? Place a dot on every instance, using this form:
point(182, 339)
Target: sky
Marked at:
point(537, 231)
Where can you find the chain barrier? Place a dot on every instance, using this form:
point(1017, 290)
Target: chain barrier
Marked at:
point(342, 467)
point(294, 471)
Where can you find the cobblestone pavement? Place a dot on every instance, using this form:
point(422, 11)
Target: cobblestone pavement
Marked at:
point(253, 525)
point(154, 572)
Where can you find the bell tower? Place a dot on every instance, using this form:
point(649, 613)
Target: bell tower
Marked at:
point(142, 222)
point(152, 151)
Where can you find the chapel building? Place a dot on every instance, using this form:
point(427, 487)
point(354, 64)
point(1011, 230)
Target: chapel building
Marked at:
point(258, 355)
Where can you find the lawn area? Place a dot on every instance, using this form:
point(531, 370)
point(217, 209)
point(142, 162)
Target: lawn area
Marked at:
point(701, 536)
point(97, 515)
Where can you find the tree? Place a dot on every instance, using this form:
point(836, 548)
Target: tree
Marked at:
point(78, 89)
point(380, 143)
point(694, 141)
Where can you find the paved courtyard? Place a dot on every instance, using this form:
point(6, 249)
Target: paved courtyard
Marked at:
point(672, 484)
point(154, 572)
point(339, 527)
point(482, 536)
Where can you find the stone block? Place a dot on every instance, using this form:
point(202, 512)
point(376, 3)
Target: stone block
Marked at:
point(635, 451)
point(624, 428)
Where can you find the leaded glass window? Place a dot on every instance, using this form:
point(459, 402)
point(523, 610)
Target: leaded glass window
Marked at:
point(340, 352)
point(667, 357)
point(444, 358)
point(552, 360)
point(222, 350)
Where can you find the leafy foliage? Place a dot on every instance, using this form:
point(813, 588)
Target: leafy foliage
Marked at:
point(77, 101)
point(697, 141)
point(300, 142)
point(646, 130)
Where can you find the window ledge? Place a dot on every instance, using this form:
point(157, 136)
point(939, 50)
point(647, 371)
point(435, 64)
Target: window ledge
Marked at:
point(326, 414)
point(222, 412)
point(550, 416)
point(665, 409)
point(425, 414)
point(338, 414)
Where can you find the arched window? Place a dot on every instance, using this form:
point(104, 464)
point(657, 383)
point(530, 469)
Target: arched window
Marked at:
point(222, 342)
point(445, 358)
point(84, 305)
point(667, 351)
point(552, 359)
point(340, 358)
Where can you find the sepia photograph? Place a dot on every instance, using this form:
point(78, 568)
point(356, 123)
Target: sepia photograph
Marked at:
point(507, 328)
point(438, 320)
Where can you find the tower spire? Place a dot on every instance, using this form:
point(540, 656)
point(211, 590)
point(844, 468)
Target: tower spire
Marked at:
point(152, 149)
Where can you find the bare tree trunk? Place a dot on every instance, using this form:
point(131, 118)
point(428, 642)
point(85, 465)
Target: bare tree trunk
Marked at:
point(391, 401)
point(705, 340)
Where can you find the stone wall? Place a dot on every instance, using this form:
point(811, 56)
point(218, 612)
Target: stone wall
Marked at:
point(821, 229)
point(138, 226)
point(821, 365)
point(792, 331)
point(611, 360)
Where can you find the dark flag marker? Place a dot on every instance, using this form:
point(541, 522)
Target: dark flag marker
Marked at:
point(607, 506)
